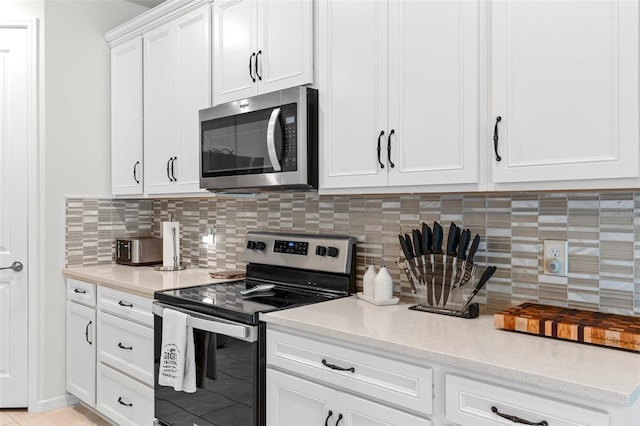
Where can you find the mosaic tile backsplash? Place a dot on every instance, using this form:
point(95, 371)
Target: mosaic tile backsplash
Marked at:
point(602, 229)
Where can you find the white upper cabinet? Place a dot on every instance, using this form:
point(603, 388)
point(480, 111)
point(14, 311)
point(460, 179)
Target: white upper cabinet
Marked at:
point(177, 83)
point(261, 46)
point(126, 118)
point(564, 80)
point(399, 96)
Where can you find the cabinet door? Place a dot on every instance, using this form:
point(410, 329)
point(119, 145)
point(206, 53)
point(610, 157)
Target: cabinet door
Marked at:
point(433, 92)
point(159, 121)
point(126, 118)
point(81, 352)
point(296, 402)
point(285, 44)
point(362, 412)
point(193, 84)
point(234, 49)
point(565, 84)
point(353, 99)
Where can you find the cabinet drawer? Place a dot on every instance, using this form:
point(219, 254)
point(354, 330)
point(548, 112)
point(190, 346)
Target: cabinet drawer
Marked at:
point(125, 305)
point(81, 292)
point(470, 402)
point(126, 346)
point(398, 383)
point(122, 399)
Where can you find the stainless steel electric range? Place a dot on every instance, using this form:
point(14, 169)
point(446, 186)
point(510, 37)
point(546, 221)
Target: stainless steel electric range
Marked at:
point(283, 271)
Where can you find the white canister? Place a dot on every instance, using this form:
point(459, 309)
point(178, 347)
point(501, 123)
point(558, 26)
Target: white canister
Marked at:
point(368, 281)
point(383, 285)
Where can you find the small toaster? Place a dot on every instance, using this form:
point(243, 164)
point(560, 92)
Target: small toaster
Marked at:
point(138, 251)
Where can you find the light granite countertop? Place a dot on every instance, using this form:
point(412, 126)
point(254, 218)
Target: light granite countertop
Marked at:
point(601, 374)
point(141, 280)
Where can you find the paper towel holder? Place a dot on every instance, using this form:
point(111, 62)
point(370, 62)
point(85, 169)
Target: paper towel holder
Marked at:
point(176, 266)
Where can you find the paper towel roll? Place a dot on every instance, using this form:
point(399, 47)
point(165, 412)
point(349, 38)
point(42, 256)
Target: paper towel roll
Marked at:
point(168, 244)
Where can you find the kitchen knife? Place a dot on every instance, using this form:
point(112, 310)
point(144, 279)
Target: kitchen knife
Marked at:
point(488, 273)
point(426, 239)
point(465, 237)
point(438, 267)
point(461, 264)
point(419, 251)
point(427, 261)
point(407, 255)
point(473, 249)
point(413, 259)
point(449, 262)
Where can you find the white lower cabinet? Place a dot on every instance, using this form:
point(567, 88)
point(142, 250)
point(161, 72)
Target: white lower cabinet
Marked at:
point(475, 402)
point(314, 381)
point(292, 401)
point(110, 352)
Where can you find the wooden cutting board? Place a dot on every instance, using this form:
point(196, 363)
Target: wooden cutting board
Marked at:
point(597, 328)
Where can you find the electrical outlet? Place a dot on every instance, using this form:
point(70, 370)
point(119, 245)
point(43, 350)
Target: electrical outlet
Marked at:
point(555, 257)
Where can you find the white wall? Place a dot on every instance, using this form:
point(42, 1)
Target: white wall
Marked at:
point(73, 145)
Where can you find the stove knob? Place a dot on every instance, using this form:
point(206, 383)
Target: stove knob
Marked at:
point(260, 245)
point(332, 252)
point(251, 245)
point(321, 250)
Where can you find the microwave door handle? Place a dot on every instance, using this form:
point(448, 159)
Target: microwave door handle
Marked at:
point(271, 142)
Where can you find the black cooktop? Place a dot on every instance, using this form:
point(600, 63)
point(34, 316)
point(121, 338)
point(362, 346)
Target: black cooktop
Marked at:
point(224, 299)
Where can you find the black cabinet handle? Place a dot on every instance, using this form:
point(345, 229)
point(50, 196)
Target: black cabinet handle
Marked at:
point(326, 421)
point(135, 172)
point(389, 148)
point(379, 136)
point(86, 333)
point(256, 65)
point(121, 346)
point(168, 174)
point(335, 367)
point(77, 290)
point(250, 68)
point(126, 305)
point(173, 175)
point(124, 403)
point(518, 419)
point(495, 138)
point(339, 418)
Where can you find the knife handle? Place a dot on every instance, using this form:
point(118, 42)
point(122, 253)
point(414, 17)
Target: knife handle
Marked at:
point(417, 242)
point(452, 239)
point(464, 243)
point(437, 238)
point(426, 239)
point(473, 249)
point(407, 239)
point(403, 246)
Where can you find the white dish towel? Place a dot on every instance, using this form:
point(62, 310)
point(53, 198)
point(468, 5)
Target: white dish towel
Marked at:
point(177, 358)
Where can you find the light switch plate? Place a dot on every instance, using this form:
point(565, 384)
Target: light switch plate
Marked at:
point(555, 257)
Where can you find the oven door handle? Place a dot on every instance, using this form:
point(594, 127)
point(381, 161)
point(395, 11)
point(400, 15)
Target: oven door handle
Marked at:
point(271, 140)
point(211, 324)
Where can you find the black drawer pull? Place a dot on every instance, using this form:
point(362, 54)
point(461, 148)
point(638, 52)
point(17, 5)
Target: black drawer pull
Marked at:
point(77, 290)
point(335, 367)
point(124, 403)
point(495, 138)
point(86, 333)
point(518, 419)
point(379, 136)
point(126, 305)
point(339, 418)
point(326, 421)
point(121, 346)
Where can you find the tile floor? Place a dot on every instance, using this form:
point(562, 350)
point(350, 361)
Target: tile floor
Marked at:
point(69, 416)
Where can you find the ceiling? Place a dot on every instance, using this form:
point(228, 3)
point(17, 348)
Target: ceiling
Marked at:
point(147, 3)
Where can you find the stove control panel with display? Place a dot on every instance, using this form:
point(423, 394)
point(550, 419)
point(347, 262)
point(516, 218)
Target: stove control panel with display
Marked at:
point(331, 253)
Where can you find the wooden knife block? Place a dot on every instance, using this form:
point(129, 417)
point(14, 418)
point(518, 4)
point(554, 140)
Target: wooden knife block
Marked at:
point(597, 328)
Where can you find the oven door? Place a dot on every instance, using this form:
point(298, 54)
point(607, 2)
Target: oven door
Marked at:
point(230, 374)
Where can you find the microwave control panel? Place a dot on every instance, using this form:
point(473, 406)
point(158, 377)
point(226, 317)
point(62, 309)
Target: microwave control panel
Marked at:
point(290, 138)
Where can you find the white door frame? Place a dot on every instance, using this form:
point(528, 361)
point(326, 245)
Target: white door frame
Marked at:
point(31, 265)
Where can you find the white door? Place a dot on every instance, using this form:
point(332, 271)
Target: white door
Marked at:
point(126, 118)
point(285, 44)
point(353, 104)
point(193, 75)
point(234, 50)
point(433, 92)
point(14, 136)
point(564, 80)
point(81, 352)
point(159, 120)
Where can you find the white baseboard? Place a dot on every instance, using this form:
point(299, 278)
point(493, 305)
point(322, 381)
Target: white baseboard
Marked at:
point(53, 403)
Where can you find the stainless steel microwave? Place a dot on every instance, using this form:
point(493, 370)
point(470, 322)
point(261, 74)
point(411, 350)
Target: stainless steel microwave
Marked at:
point(264, 143)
